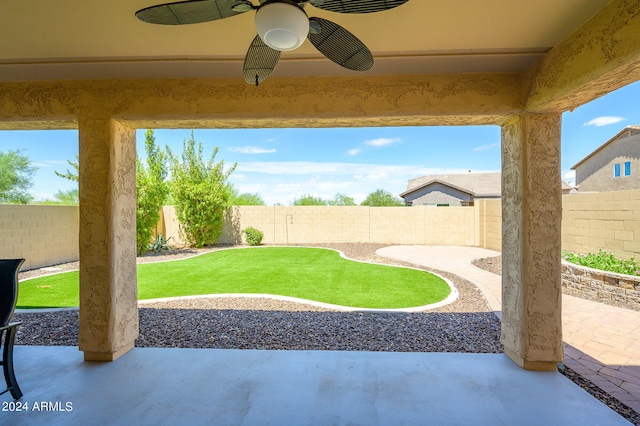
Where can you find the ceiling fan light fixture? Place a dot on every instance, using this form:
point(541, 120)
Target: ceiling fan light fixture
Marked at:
point(282, 25)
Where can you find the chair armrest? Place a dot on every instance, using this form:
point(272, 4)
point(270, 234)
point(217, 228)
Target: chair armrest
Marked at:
point(10, 325)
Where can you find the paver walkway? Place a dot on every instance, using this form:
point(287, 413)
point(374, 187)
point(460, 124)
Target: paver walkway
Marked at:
point(601, 342)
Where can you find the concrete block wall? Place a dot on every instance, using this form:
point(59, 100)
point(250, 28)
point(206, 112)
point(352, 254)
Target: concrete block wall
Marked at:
point(43, 235)
point(602, 220)
point(590, 221)
point(325, 224)
point(47, 235)
point(489, 219)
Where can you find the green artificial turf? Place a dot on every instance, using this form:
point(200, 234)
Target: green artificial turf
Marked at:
point(308, 273)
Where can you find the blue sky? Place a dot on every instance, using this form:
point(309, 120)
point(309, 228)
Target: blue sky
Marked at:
point(283, 164)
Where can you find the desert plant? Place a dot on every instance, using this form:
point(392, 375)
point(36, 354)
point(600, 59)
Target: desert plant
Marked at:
point(254, 236)
point(160, 244)
point(605, 262)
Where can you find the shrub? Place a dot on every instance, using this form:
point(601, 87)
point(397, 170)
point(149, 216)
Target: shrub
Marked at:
point(605, 262)
point(151, 191)
point(200, 191)
point(254, 237)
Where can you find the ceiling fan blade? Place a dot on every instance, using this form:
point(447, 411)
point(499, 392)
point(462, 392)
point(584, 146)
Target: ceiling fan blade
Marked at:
point(357, 6)
point(192, 12)
point(259, 62)
point(339, 45)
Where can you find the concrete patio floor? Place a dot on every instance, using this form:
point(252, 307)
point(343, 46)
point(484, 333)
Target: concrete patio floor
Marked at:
point(601, 342)
point(255, 387)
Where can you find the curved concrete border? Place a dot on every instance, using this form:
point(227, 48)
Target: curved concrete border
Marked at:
point(453, 295)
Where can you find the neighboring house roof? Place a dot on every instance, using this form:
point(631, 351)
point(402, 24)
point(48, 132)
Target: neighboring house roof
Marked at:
point(449, 184)
point(566, 186)
point(477, 184)
point(631, 130)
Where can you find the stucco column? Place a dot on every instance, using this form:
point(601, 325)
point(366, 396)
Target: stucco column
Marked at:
point(531, 249)
point(108, 287)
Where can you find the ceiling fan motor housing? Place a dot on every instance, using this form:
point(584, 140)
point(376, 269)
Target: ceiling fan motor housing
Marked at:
point(282, 24)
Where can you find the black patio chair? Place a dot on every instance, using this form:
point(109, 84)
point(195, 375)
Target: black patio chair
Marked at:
point(8, 298)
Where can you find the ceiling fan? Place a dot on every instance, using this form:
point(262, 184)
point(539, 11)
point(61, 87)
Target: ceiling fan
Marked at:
point(282, 25)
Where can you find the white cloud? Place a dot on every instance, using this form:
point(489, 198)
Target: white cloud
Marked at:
point(42, 196)
point(569, 177)
point(486, 147)
point(603, 121)
point(252, 150)
point(50, 163)
point(288, 185)
point(282, 182)
point(315, 168)
point(356, 171)
point(359, 197)
point(382, 141)
point(250, 188)
point(378, 176)
point(354, 151)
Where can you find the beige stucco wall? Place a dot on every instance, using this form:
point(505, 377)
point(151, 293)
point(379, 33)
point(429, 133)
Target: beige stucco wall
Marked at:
point(596, 173)
point(43, 235)
point(107, 238)
point(531, 332)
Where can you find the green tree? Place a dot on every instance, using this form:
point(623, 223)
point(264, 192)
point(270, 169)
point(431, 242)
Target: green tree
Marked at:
point(69, 198)
point(381, 198)
point(342, 200)
point(309, 200)
point(16, 177)
point(201, 193)
point(152, 189)
point(62, 198)
point(65, 198)
point(69, 175)
point(244, 199)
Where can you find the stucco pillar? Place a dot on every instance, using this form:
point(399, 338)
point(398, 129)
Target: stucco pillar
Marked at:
point(531, 249)
point(108, 287)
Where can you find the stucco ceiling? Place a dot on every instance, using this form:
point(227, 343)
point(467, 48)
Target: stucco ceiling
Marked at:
point(80, 39)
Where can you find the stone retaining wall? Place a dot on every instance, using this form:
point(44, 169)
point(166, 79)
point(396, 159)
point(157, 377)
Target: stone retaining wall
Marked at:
point(606, 287)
